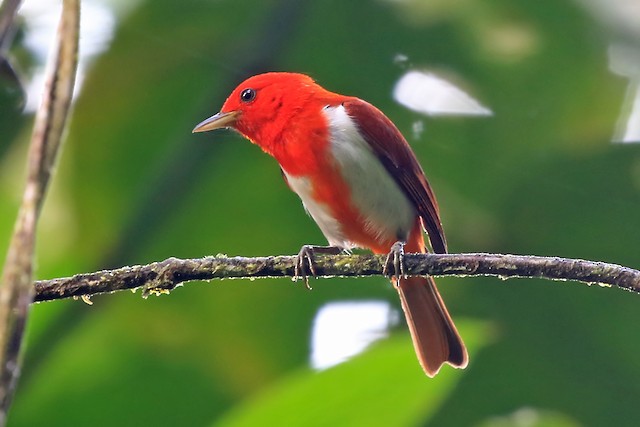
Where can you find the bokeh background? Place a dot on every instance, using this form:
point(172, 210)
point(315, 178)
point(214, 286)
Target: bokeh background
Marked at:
point(554, 171)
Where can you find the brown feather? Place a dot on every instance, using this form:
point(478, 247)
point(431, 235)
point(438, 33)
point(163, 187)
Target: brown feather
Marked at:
point(396, 155)
point(435, 337)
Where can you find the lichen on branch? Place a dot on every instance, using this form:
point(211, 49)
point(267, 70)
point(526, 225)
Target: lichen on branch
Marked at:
point(161, 277)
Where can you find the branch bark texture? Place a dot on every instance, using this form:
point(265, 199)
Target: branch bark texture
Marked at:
point(16, 290)
point(162, 277)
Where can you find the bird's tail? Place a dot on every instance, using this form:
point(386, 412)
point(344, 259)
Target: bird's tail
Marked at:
point(434, 335)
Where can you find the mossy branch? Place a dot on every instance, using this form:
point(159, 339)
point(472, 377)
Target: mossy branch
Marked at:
point(161, 277)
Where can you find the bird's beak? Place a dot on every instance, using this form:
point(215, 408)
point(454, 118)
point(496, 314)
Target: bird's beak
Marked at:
point(217, 121)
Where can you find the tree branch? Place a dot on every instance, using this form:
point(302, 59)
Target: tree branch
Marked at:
point(161, 277)
point(16, 291)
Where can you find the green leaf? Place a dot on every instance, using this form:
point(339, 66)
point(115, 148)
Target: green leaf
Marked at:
point(385, 386)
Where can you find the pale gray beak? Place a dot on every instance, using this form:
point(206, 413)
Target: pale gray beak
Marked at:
point(217, 121)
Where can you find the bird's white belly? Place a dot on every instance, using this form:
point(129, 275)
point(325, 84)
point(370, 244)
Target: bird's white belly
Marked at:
point(320, 212)
point(385, 210)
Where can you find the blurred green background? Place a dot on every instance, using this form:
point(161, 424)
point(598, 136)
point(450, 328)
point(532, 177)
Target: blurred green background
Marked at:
point(133, 185)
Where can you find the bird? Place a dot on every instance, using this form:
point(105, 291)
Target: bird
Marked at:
point(361, 183)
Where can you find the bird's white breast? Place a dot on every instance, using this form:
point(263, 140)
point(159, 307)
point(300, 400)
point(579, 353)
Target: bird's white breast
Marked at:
point(320, 212)
point(386, 212)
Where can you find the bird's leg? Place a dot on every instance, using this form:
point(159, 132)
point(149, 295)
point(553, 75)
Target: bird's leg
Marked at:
point(305, 263)
point(394, 264)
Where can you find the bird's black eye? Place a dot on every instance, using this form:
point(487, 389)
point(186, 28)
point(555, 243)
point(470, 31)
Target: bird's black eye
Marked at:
point(248, 95)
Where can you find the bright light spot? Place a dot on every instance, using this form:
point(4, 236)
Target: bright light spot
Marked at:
point(400, 59)
point(625, 61)
point(342, 330)
point(97, 24)
point(417, 129)
point(432, 95)
point(621, 15)
point(509, 43)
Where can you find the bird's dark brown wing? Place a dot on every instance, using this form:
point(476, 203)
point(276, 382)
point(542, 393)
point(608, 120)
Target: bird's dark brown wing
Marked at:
point(396, 155)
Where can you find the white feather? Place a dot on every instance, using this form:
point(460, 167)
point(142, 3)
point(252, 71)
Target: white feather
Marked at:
point(320, 212)
point(387, 211)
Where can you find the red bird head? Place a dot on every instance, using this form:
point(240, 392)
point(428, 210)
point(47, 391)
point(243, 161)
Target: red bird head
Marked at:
point(261, 106)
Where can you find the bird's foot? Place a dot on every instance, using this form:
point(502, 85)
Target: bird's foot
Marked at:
point(394, 264)
point(305, 265)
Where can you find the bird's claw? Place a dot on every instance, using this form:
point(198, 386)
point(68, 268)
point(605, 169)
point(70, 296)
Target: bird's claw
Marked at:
point(305, 265)
point(394, 264)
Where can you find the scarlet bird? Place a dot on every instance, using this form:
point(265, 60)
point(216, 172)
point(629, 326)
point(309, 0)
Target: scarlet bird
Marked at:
point(359, 180)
